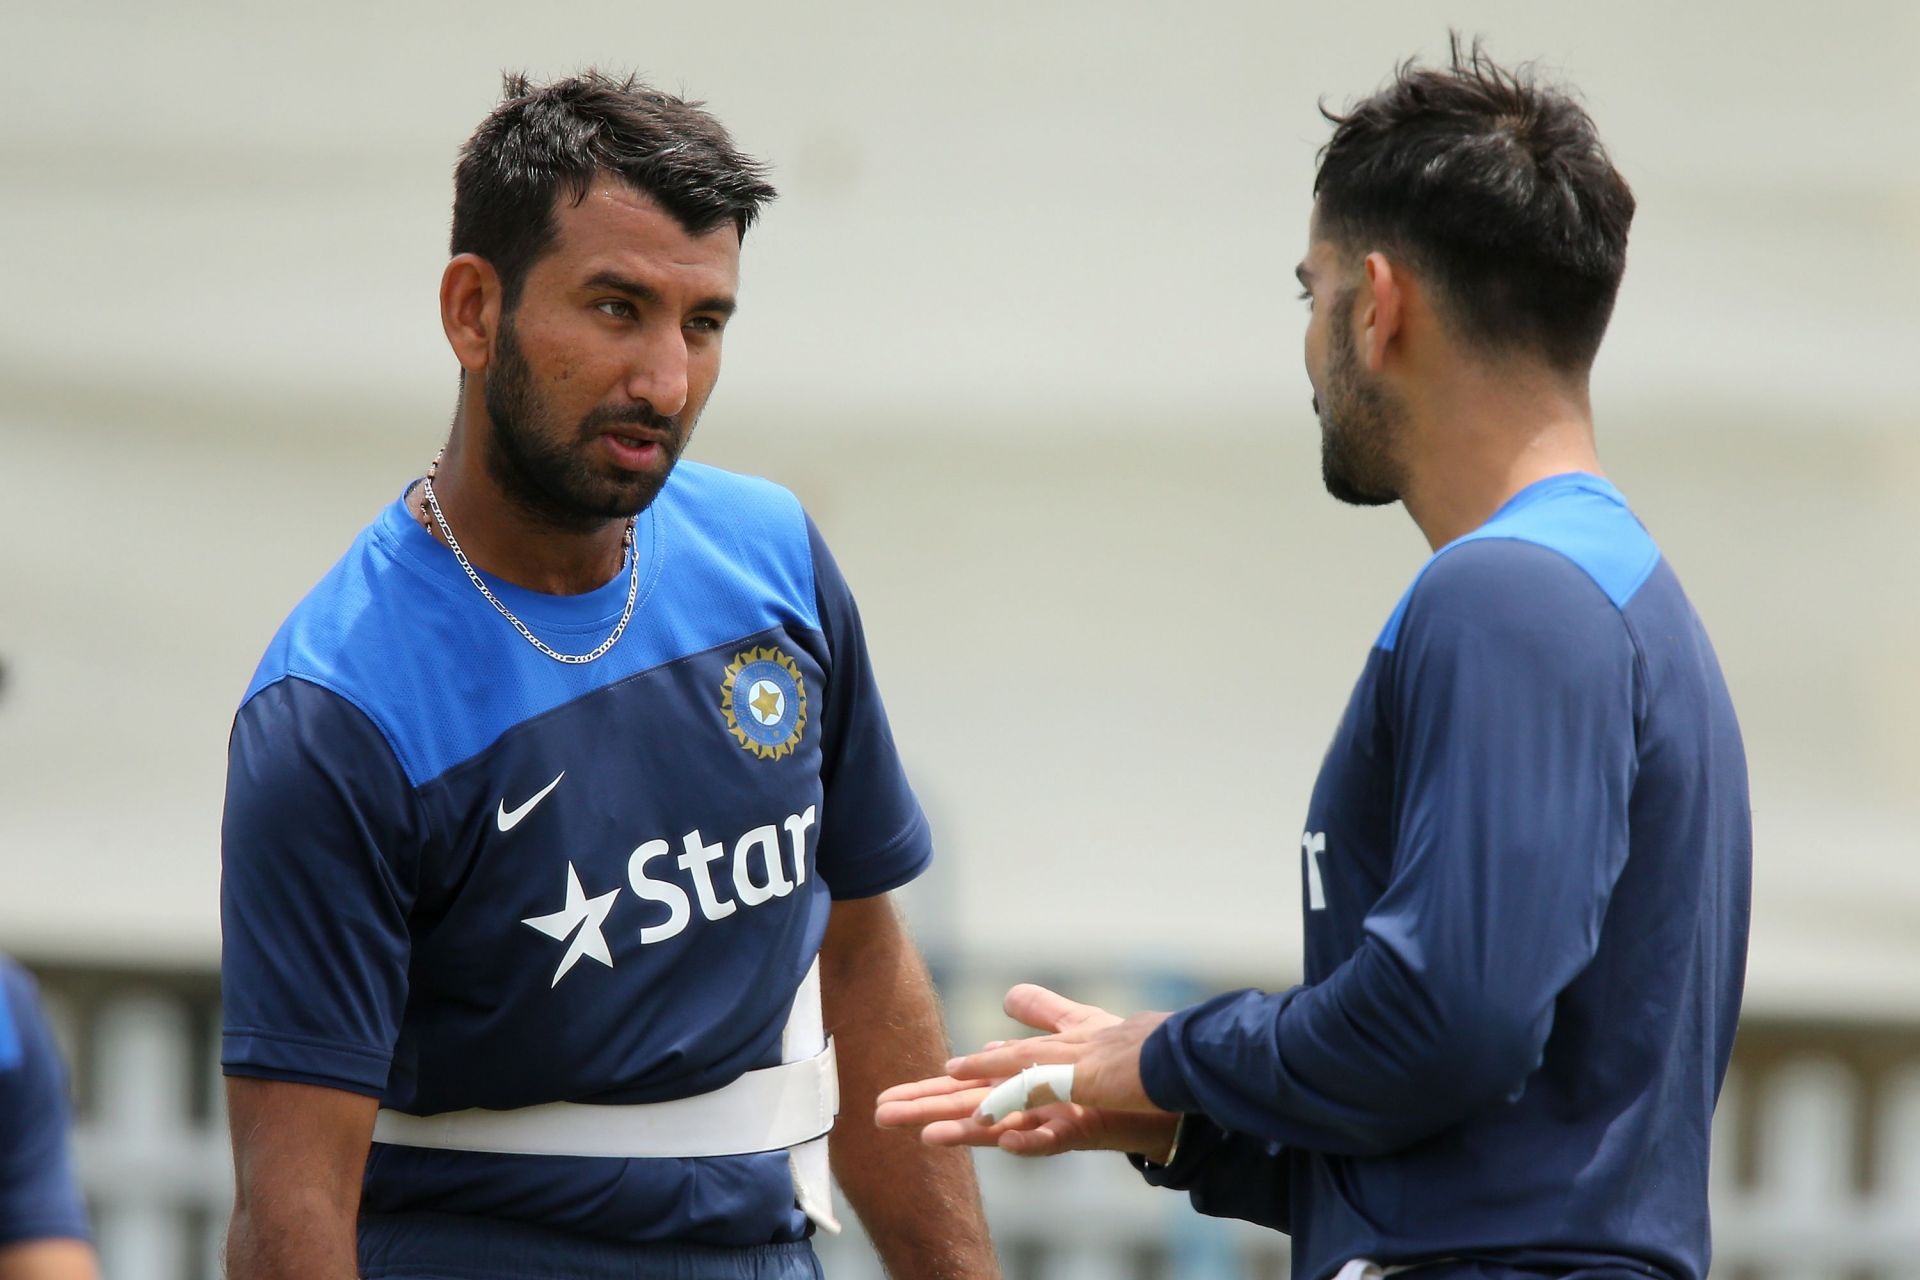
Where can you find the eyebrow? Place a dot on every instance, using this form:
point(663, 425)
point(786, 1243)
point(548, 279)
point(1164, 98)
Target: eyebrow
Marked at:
point(1304, 276)
point(718, 304)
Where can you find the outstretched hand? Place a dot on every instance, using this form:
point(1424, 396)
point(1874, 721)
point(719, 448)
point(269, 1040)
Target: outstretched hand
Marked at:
point(1110, 1108)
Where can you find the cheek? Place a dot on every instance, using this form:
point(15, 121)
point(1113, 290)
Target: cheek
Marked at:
point(551, 356)
point(703, 369)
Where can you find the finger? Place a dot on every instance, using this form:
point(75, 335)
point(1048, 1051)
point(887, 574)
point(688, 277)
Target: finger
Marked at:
point(1035, 1086)
point(957, 1133)
point(965, 1133)
point(922, 1111)
point(929, 1087)
point(1041, 1140)
point(1014, 1056)
point(1044, 1010)
point(1049, 1131)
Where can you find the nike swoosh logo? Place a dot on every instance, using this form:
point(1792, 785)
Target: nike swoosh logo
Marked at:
point(508, 819)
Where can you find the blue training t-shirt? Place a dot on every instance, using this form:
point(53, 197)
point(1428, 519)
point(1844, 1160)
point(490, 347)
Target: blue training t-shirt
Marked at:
point(39, 1198)
point(460, 874)
point(1526, 877)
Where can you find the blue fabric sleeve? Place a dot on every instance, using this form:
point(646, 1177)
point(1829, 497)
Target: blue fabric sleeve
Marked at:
point(319, 852)
point(39, 1196)
point(1512, 701)
point(873, 835)
point(1226, 1175)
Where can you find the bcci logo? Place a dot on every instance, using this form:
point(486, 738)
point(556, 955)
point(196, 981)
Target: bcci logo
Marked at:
point(765, 701)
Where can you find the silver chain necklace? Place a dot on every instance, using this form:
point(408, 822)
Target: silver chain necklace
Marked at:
point(453, 545)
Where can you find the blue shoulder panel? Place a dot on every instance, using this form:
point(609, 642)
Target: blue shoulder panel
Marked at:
point(397, 629)
point(1578, 515)
point(9, 1033)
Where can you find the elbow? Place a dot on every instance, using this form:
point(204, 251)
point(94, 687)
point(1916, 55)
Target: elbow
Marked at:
point(1474, 1056)
point(1483, 1056)
point(1380, 1136)
point(1454, 1035)
point(1498, 1048)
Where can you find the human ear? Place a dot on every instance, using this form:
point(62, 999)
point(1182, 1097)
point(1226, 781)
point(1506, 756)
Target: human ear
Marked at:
point(1386, 305)
point(470, 301)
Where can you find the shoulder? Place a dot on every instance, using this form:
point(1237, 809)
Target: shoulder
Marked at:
point(14, 979)
point(742, 528)
point(19, 993)
point(294, 724)
point(1574, 557)
point(727, 503)
point(1498, 588)
point(353, 605)
point(16, 995)
point(347, 651)
point(20, 1017)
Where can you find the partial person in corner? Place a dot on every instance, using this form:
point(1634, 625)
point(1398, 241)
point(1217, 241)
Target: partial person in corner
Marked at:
point(43, 1220)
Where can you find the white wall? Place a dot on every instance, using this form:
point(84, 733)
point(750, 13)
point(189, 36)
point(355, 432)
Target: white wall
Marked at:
point(1021, 330)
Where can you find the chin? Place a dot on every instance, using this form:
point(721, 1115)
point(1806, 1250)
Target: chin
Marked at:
point(1345, 489)
point(635, 495)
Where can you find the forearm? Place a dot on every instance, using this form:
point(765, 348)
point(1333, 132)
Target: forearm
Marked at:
point(296, 1236)
point(919, 1204)
point(1361, 1064)
point(299, 1151)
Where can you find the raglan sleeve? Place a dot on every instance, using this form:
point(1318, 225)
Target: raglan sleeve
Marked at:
point(873, 834)
point(319, 857)
point(39, 1195)
point(1512, 705)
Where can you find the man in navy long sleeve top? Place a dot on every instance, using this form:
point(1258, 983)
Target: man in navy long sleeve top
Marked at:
point(1526, 859)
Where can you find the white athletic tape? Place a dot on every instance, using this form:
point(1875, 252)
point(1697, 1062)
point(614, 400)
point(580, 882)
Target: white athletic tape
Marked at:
point(1033, 1087)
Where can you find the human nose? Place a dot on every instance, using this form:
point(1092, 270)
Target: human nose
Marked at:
point(659, 372)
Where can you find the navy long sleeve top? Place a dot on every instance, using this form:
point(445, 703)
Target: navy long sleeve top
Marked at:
point(1526, 875)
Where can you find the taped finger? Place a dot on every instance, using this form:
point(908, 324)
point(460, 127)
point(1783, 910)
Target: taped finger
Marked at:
point(1036, 1086)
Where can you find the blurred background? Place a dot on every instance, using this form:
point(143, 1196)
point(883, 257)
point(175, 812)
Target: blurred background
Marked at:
point(1022, 333)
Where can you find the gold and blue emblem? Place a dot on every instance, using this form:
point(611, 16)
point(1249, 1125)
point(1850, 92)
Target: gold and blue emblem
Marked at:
point(764, 698)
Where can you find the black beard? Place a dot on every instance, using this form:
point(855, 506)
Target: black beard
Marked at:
point(545, 474)
point(1359, 426)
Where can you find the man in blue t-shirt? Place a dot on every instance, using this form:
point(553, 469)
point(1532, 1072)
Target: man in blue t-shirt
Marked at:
point(43, 1222)
point(1526, 861)
point(562, 815)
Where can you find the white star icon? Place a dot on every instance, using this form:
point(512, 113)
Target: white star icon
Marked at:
point(587, 913)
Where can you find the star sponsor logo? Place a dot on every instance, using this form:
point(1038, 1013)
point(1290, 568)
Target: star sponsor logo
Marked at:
point(764, 700)
point(716, 878)
point(582, 918)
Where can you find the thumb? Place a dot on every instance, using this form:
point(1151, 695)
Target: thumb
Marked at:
point(1046, 1010)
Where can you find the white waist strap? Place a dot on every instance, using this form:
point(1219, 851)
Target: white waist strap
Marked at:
point(766, 1110)
point(1362, 1269)
point(789, 1107)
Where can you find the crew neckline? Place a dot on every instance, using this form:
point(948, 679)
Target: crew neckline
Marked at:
point(1577, 480)
point(602, 605)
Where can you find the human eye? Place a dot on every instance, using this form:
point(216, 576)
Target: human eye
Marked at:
point(708, 325)
point(1306, 296)
point(618, 308)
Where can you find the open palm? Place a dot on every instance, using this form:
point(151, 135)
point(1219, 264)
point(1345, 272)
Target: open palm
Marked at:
point(1113, 1113)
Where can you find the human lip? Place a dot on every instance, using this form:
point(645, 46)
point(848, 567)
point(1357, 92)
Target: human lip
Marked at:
point(635, 450)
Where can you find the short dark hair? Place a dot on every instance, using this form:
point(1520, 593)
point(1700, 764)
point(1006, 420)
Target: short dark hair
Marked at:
point(1496, 188)
point(543, 140)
